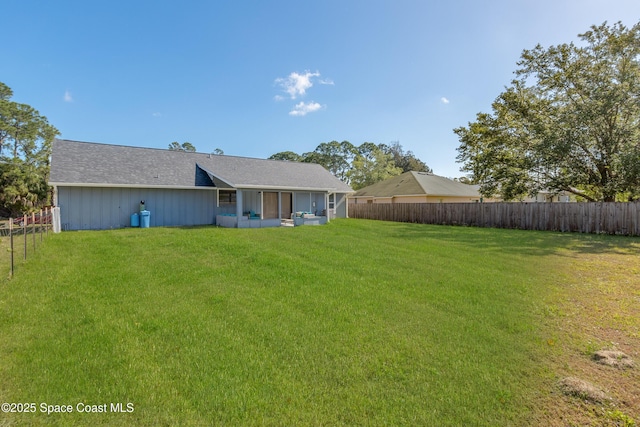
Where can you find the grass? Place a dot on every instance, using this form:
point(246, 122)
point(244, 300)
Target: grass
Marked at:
point(357, 322)
point(595, 305)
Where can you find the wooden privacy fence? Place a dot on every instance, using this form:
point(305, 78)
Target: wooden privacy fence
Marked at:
point(22, 236)
point(609, 218)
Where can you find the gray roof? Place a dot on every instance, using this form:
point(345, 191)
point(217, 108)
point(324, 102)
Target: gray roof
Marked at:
point(418, 183)
point(76, 163)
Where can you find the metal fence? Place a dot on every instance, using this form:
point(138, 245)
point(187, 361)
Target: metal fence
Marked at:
point(606, 218)
point(20, 237)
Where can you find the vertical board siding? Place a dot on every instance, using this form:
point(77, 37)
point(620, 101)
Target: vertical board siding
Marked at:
point(600, 217)
point(88, 208)
point(340, 205)
point(251, 201)
point(302, 202)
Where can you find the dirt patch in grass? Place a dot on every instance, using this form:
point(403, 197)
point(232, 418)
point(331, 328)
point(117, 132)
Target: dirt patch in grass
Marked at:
point(613, 358)
point(593, 317)
point(583, 390)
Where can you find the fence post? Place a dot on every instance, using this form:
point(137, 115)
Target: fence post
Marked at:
point(33, 229)
point(40, 226)
point(11, 245)
point(24, 232)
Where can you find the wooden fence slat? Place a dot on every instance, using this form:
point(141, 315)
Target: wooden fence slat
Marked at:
point(596, 217)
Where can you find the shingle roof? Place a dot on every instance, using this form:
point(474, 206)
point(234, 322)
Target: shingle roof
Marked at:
point(93, 164)
point(418, 183)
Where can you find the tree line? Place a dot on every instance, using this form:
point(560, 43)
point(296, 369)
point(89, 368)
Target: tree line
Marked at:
point(25, 147)
point(359, 166)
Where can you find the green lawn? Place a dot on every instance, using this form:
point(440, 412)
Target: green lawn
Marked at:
point(353, 323)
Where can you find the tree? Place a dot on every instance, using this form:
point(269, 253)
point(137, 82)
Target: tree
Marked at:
point(370, 165)
point(359, 166)
point(25, 148)
point(185, 146)
point(406, 161)
point(570, 121)
point(289, 156)
point(335, 156)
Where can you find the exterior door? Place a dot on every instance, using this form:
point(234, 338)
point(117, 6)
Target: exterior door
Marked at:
point(287, 202)
point(270, 208)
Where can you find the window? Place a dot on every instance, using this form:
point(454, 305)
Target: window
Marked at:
point(227, 197)
point(332, 198)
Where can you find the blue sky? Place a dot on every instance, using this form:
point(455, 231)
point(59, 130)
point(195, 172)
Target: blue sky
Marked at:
point(255, 78)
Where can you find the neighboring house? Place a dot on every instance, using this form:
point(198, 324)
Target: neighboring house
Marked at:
point(99, 186)
point(417, 187)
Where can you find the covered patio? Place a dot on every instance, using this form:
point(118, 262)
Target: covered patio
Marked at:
point(258, 208)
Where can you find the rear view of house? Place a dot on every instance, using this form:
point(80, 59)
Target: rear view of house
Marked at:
point(99, 186)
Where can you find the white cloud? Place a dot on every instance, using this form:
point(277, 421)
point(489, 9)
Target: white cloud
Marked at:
point(444, 100)
point(67, 96)
point(156, 114)
point(297, 84)
point(326, 82)
point(302, 109)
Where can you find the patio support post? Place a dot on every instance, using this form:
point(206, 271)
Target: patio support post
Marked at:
point(346, 207)
point(261, 205)
point(326, 206)
point(238, 205)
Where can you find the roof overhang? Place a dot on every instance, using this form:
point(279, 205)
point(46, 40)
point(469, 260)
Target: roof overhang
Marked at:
point(194, 187)
point(95, 185)
point(237, 186)
point(281, 188)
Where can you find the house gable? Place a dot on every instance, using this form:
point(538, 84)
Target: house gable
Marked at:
point(203, 178)
point(207, 176)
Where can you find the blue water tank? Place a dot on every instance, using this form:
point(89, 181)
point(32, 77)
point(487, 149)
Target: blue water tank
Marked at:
point(135, 220)
point(145, 216)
